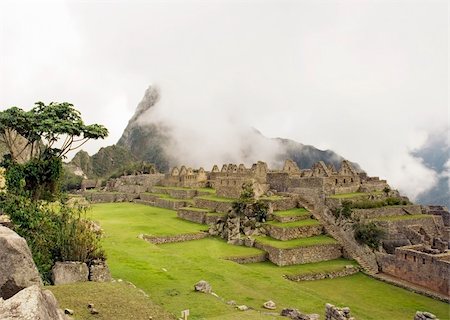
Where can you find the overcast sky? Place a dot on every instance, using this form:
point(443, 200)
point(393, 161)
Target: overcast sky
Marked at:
point(367, 79)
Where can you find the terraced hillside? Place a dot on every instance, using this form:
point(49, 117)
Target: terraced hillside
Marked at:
point(167, 272)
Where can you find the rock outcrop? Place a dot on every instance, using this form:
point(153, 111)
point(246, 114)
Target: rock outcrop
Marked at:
point(31, 303)
point(69, 272)
point(17, 269)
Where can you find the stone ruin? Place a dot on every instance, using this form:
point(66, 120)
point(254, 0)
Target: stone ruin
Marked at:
point(335, 313)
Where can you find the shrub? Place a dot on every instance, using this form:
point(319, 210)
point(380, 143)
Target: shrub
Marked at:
point(54, 232)
point(369, 234)
point(248, 206)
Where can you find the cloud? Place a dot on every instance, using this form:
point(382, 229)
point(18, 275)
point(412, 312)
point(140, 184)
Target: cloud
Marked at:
point(368, 79)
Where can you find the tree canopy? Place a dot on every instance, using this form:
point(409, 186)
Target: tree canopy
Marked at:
point(37, 141)
point(54, 129)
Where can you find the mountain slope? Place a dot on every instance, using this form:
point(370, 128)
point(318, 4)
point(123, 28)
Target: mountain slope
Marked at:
point(149, 140)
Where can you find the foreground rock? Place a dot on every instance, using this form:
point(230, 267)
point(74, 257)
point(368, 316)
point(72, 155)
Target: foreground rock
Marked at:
point(69, 272)
point(424, 316)
point(203, 286)
point(17, 269)
point(31, 303)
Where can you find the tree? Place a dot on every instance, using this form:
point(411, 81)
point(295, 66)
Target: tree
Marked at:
point(38, 140)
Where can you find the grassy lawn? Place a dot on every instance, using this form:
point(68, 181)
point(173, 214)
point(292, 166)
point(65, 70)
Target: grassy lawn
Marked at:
point(403, 217)
point(112, 300)
point(301, 242)
point(292, 212)
point(216, 198)
point(354, 194)
point(293, 224)
point(168, 272)
point(142, 219)
point(324, 266)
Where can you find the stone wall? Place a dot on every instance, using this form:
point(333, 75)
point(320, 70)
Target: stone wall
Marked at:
point(278, 181)
point(213, 206)
point(395, 229)
point(335, 313)
point(177, 193)
point(282, 204)
point(102, 197)
point(175, 238)
point(248, 259)
point(428, 270)
point(170, 204)
point(290, 233)
point(344, 272)
point(387, 211)
point(127, 183)
point(301, 255)
point(192, 215)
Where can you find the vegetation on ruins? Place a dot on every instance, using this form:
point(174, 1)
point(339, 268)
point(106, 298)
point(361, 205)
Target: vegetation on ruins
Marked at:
point(36, 142)
point(162, 270)
point(248, 206)
point(369, 234)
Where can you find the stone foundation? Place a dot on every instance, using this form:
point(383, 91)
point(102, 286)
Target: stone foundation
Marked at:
point(192, 215)
point(387, 211)
point(335, 313)
point(290, 233)
point(301, 255)
point(249, 259)
point(213, 206)
point(175, 238)
point(411, 264)
point(346, 271)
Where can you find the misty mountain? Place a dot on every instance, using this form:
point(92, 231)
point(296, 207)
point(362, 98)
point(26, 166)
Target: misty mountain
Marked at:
point(435, 154)
point(150, 140)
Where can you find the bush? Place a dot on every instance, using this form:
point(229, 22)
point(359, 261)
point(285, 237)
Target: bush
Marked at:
point(54, 232)
point(368, 234)
point(345, 211)
point(70, 181)
point(248, 206)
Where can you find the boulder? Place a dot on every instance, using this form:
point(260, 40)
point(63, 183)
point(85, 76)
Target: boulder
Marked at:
point(270, 305)
point(99, 272)
point(31, 303)
point(203, 286)
point(17, 269)
point(69, 272)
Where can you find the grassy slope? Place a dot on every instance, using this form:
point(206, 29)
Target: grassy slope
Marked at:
point(292, 212)
point(301, 242)
point(168, 272)
point(112, 300)
point(300, 223)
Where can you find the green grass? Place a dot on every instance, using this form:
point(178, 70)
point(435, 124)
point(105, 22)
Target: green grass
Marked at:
point(292, 212)
point(348, 195)
point(216, 198)
point(208, 190)
point(112, 300)
point(301, 242)
point(403, 217)
point(293, 224)
point(168, 272)
point(142, 219)
point(324, 266)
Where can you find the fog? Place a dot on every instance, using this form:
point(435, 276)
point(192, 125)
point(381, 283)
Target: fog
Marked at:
point(367, 79)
